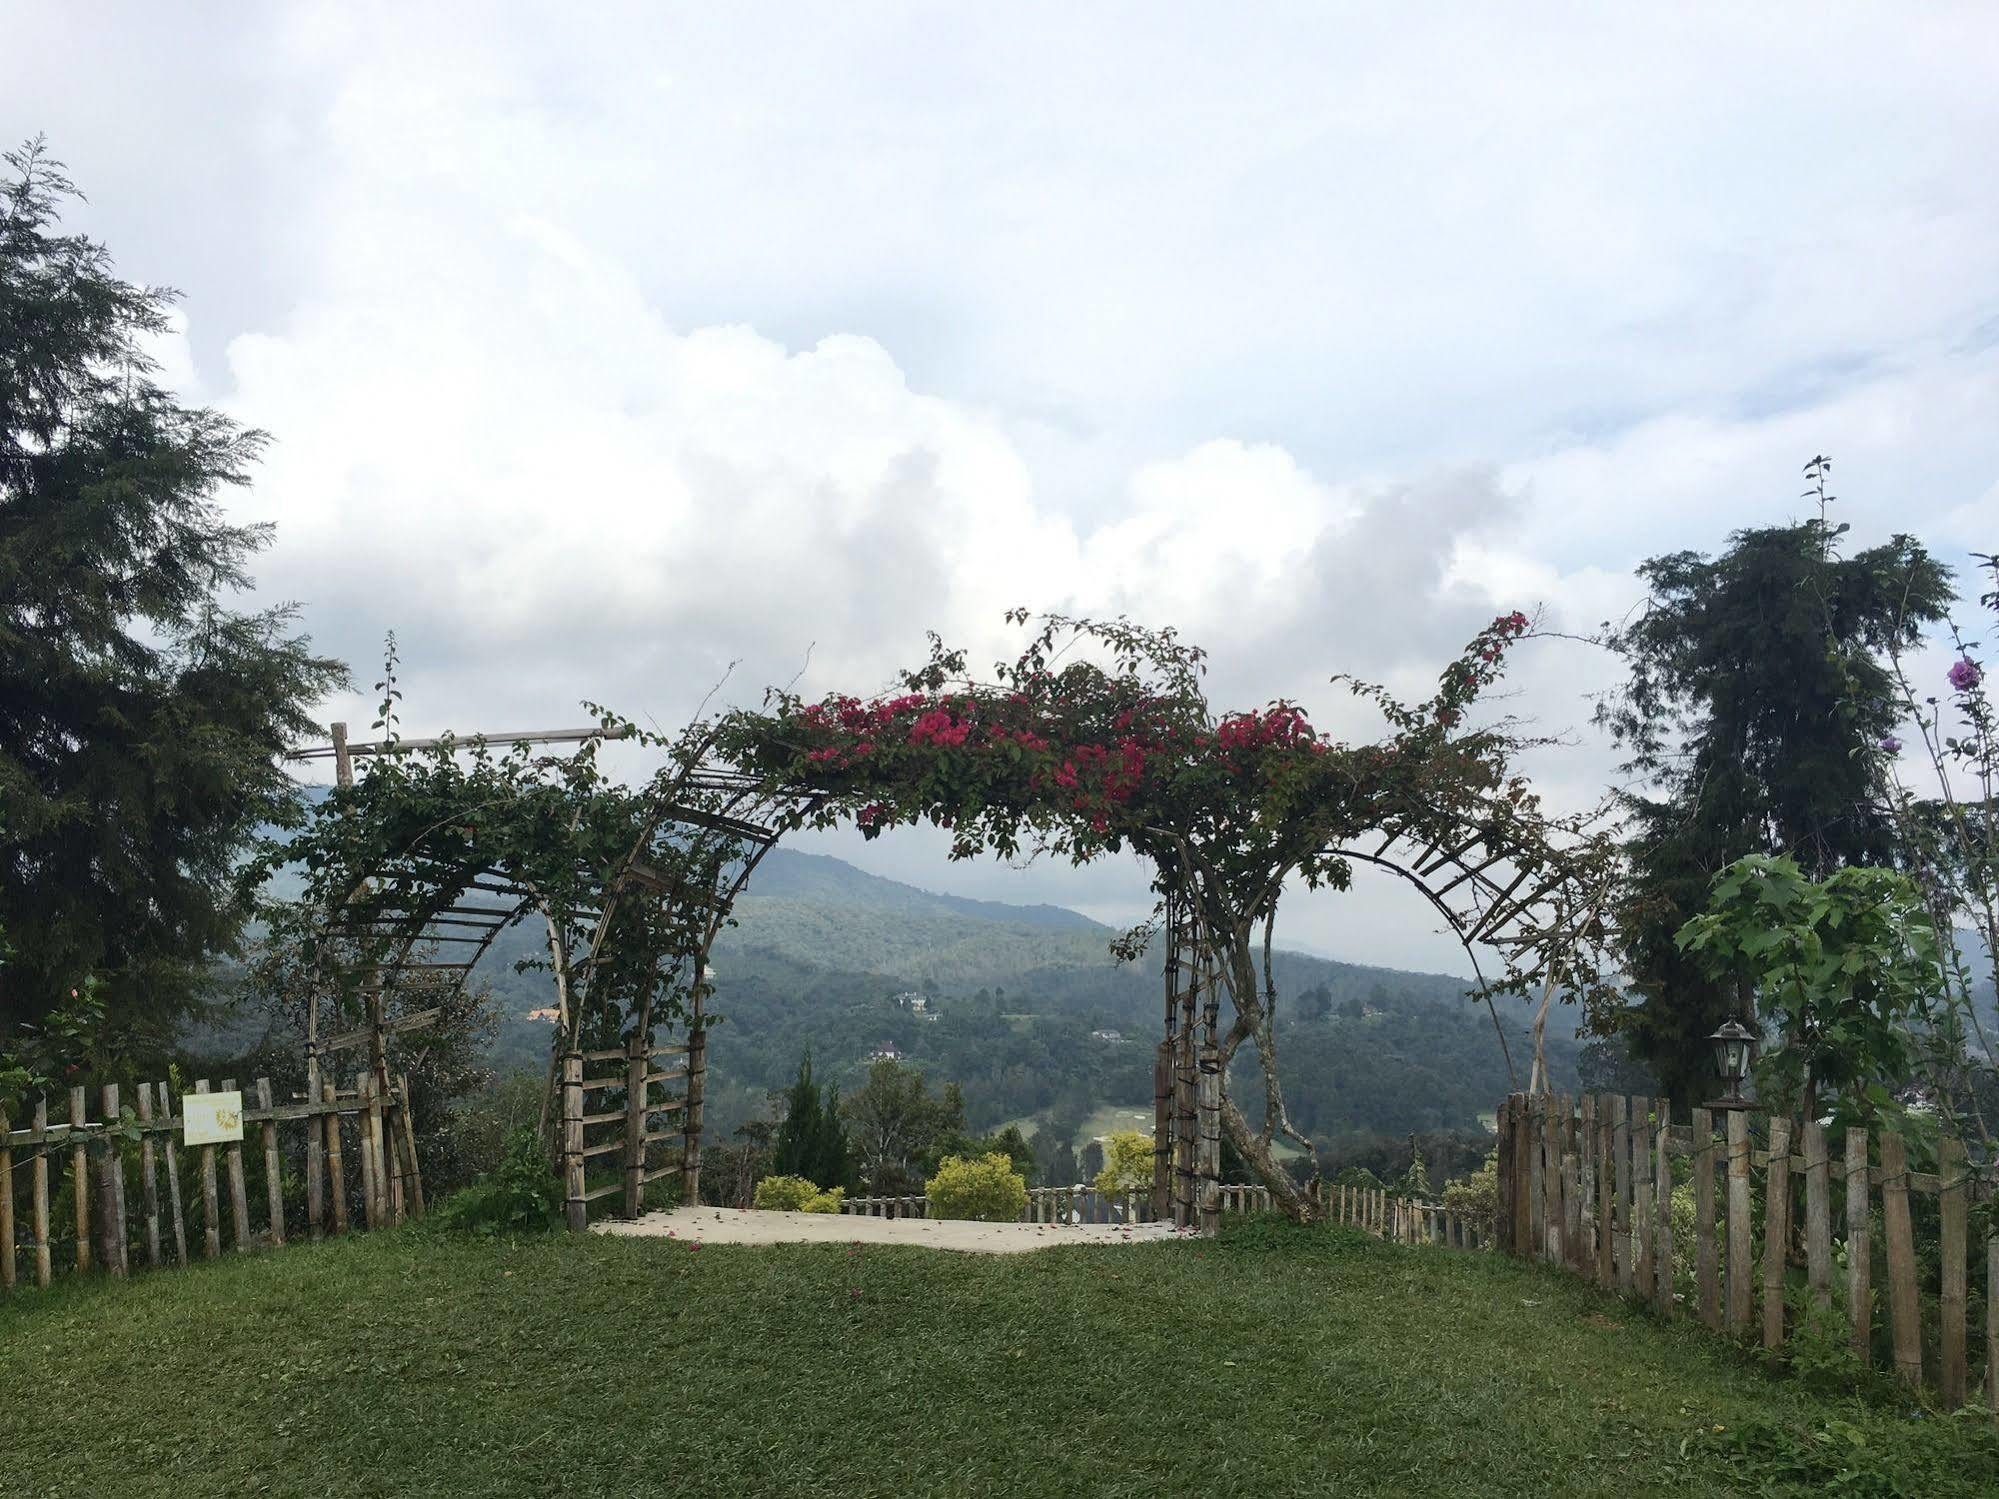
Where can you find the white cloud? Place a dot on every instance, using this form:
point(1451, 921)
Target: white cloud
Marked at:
point(599, 356)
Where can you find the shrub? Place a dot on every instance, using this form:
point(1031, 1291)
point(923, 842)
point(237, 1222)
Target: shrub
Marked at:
point(516, 1196)
point(1127, 1164)
point(1475, 1198)
point(794, 1194)
point(985, 1190)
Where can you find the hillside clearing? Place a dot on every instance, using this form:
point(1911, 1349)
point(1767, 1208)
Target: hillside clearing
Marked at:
point(1274, 1361)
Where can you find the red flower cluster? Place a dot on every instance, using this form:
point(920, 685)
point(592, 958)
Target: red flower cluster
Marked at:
point(1283, 726)
point(939, 727)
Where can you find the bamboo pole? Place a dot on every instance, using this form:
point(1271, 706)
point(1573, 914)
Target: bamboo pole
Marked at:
point(111, 1188)
point(239, 1195)
point(315, 1139)
point(1955, 1228)
point(79, 1176)
point(1992, 1324)
point(173, 1176)
point(1818, 1214)
point(1776, 1231)
point(336, 1175)
point(406, 1114)
point(692, 1119)
point(637, 1060)
point(149, 1180)
point(1707, 1258)
point(1606, 1187)
point(1859, 1249)
point(1620, 1147)
point(576, 1210)
point(1740, 1287)
point(6, 1206)
point(39, 1184)
point(274, 1183)
point(1642, 1227)
point(1662, 1179)
point(1903, 1308)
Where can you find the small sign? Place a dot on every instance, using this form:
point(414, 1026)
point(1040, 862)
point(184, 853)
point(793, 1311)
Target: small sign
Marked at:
point(212, 1118)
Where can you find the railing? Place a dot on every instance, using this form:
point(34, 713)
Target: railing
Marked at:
point(91, 1163)
point(1589, 1186)
point(1385, 1214)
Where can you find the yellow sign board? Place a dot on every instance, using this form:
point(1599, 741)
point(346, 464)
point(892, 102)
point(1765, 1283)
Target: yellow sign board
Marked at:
point(212, 1118)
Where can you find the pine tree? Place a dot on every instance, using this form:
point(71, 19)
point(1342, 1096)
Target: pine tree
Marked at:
point(1756, 708)
point(141, 720)
point(798, 1138)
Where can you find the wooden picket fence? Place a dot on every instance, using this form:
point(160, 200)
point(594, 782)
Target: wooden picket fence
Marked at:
point(100, 1156)
point(1588, 1185)
point(1385, 1214)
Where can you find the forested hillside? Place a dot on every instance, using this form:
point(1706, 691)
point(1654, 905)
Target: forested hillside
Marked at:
point(1025, 1009)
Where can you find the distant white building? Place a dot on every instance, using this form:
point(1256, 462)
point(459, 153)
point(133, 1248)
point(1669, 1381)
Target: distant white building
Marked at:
point(885, 1054)
point(1115, 1038)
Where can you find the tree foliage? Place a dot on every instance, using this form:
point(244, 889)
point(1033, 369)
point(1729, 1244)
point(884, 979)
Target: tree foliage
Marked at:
point(1756, 709)
point(1845, 969)
point(812, 1140)
point(141, 718)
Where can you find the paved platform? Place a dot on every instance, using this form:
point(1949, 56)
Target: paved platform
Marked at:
point(751, 1226)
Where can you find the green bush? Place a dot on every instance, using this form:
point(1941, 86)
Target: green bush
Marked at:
point(1127, 1164)
point(517, 1196)
point(794, 1194)
point(985, 1190)
point(1475, 1198)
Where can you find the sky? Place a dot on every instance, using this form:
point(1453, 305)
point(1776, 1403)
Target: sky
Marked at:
point(610, 353)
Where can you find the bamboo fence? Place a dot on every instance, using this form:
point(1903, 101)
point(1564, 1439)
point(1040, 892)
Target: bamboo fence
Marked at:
point(78, 1176)
point(1589, 1186)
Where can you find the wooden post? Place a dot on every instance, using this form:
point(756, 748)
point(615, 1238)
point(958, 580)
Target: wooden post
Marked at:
point(1537, 1176)
point(388, 1132)
point(149, 1178)
point(173, 1177)
point(1575, 1254)
point(638, 1057)
point(1662, 1181)
point(274, 1181)
point(1776, 1231)
point(1859, 1295)
point(1902, 1305)
point(1586, 1237)
point(1740, 1287)
point(116, 1236)
point(413, 1168)
point(576, 1210)
point(1208, 1144)
point(1503, 1218)
point(211, 1203)
point(378, 1139)
point(1818, 1213)
point(1162, 1120)
point(1620, 1148)
point(336, 1175)
point(315, 1139)
point(371, 1192)
point(1606, 1186)
point(1642, 1226)
point(239, 1196)
point(1992, 1324)
point(6, 1206)
point(697, 1093)
point(1523, 1176)
point(39, 1184)
point(1955, 1227)
point(1707, 1257)
point(79, 1175)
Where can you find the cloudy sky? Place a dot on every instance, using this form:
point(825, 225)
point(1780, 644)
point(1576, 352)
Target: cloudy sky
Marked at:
point(602, 347)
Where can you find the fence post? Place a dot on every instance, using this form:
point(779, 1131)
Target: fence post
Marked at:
point(211, 1201)
point(1776, 1230)
point(6, 1206)
point(1620, 1149)
point(1859, 1249)
point(1954, 1229)
point(79, 1171)
point(1902, 1305)
point(575, 1210)
point(1643, 1229)
point(1818, 1213)
point(1740, 1288)
point(315, 1161)
point(173, 1175)
point(149, 1179)
point(638, 1057)
point(1662, 1178)
point(112, 1187)
point(336, 1170)
point(1707, 1259)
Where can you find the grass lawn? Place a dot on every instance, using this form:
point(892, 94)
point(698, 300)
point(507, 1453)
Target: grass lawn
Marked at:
point(1275, 1361)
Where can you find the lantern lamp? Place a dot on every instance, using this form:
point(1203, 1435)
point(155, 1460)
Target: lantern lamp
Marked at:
point(1734, 1049)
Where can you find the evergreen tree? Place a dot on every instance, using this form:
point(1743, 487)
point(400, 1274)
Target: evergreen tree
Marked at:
point(141, 720)
point(798, 1149)
point(1755, 710)
point(832, 1162)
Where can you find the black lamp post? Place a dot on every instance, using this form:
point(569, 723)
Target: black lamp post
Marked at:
point(1734, 1049)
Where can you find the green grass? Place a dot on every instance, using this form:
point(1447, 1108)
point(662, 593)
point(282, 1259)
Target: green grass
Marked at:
point(1275, 1361)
